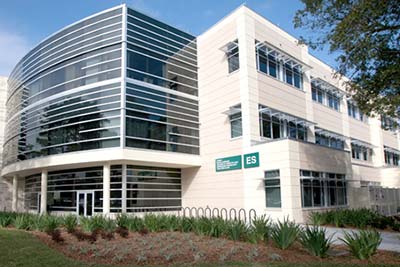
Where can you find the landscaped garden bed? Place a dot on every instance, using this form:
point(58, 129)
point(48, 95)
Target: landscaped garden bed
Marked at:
point(170, 240)
point(356, 218)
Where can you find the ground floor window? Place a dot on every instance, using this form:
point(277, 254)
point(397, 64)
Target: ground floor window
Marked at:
point(272, 184)
point(320, 189)
point(148, 188)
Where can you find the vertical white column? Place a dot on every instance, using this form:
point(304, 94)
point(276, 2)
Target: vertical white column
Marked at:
point(106, 188)
point(43, 193)
point(15, 193)
point(123, 196)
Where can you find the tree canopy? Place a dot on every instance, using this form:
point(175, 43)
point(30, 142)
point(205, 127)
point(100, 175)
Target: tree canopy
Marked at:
point(366, 36)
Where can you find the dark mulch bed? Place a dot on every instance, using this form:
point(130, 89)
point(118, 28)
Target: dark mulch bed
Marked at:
point(175, 248)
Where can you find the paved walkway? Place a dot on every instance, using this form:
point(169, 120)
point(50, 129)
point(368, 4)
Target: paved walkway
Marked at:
point(390, 240)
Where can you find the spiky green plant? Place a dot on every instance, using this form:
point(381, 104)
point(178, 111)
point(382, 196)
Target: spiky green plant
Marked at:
point(260, 228)
point(314, 239)
point(23, 222)
point(70, 222)
point(135, 224)
point(152, 222)
point(285, 233)
point(363, 244)
point(122, 221)
point(237, 230)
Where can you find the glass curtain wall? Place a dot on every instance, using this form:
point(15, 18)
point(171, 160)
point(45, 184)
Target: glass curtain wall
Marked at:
point(55, 104)
point(161, 95)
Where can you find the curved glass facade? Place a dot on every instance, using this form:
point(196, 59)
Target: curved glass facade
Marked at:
point(72, 92)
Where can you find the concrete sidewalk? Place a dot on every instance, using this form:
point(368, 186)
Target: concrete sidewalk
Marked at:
point(390, 240)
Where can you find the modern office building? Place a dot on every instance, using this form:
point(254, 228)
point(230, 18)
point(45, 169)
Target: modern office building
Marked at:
point(120, 112)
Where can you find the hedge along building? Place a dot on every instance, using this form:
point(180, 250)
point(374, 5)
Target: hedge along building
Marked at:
point(122, 113)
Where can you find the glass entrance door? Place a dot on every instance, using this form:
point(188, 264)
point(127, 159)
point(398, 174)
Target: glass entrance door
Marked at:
point(84, 203)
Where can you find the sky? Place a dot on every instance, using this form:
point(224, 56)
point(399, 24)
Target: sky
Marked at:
point(24, 23)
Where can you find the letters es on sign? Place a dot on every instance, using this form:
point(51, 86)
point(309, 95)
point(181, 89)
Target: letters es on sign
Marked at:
point(251, 160)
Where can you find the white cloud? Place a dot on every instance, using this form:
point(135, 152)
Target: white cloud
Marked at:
point(140, 5)
point(13, 47)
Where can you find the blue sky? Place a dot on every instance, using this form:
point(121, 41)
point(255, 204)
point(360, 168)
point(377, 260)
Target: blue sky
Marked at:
point(24, 23)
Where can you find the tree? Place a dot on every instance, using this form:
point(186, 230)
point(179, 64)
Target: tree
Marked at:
point(366, 35)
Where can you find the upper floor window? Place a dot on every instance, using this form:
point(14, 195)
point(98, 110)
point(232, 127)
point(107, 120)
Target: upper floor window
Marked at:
point(361, 150)
point(388, 123)
point(329, 139)
point(275, 124)
point(276, 63)
point(235, 119)
point(392, 156)
point(272, 185)
point(354, 112)
point(326, 98)
point(232, 53)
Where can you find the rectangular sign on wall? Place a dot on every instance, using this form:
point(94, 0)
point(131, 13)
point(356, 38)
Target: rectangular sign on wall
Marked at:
point(228, 163)
point(251, 160)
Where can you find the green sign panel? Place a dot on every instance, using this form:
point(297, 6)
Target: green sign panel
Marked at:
point(251, 160)
point(228, 164)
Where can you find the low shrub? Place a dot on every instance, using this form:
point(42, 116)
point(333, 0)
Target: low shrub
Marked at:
point(363, 244)
point(23, 222)
point(122, 221)
point(285, 233)
point(186, 224)
point(260, 228)
point(50, 223)
point(359, 218)
point(237, 230)
point(135, 224)
point(152, 222)
point(315, 241)
point(108, 229)
point(92, 224)
point(70, 222)
point(6, 218)
point(317, 218)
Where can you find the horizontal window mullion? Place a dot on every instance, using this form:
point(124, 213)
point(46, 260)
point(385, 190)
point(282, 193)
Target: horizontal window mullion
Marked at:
point(100, 63)
point(82, 122)
point(159, 40)
point(63, 36)
point(160, 28)
point(42, 60)
point(152, 198)
point(51, 63)
point(61, 99)
point(73, 80)
point(157, 52)
point(160, 141)
point(74, 62)
point(162, 96)
point(71, 143)
point(61, 126)
point(35, 67)
point(157, 101)
point(74, 116)
point(99, 129)
point(70, 111)
point(173, 53)
point(69, 105)
point(173, 124)
point(169, 63)
point(162, 78)
point(166, 116)
point(172, 111)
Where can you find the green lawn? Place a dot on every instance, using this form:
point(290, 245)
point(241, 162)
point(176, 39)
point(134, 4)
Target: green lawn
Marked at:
point(18, 248)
